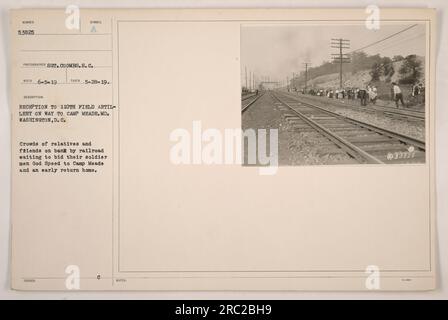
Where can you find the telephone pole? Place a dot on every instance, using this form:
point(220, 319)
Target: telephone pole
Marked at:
point(293, 81)
point(250, 80)
point(306, 64)
point(253, 81)
point(340, 57)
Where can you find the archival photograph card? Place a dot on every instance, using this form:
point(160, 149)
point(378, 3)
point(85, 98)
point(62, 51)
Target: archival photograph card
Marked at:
point(210, 149)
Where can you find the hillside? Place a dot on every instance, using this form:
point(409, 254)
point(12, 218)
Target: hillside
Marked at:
point(357, 79)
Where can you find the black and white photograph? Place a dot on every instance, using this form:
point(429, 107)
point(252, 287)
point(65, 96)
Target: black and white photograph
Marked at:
point(336, 93)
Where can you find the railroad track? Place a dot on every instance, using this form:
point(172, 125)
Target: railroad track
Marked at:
point(251, 102)
point(363, 142)
point(247, 96)
point(400, 114)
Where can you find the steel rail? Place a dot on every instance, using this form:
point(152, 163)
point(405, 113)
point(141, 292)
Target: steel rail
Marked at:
point(410, 114)
point(401, 137)
point(347, 146)
point(248, 96)
point(251, 103)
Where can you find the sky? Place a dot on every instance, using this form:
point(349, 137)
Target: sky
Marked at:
point(279, 50)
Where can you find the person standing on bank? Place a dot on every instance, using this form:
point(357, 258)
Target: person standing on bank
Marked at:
point(373, 94)
point(421, 92)
point(362, 93)
point(398, 95)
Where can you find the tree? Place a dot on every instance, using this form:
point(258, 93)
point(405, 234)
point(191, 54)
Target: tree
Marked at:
point(387, 66)
point(375, 72)
point(410, 70)
point(358, 61)
point(384, 67)
point(397, 58)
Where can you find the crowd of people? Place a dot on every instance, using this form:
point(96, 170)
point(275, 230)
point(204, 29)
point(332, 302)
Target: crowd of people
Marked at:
point(369, 94)
point(365, 95)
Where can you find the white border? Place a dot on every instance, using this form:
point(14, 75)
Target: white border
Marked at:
point(441, 149)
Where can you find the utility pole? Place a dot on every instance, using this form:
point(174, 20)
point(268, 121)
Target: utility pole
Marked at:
point(306, 64)
point(293, 81)
point(340, 57)
point(245, 72)
point(253, 81)
point(250, 80)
